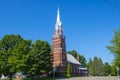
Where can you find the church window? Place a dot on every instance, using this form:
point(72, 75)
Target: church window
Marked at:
point(55, 45)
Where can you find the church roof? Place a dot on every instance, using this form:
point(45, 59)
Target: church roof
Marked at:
point(71, 59)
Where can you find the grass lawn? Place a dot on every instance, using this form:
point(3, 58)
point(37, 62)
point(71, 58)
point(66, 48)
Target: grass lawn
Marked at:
point(40, 79)
point(30, 79)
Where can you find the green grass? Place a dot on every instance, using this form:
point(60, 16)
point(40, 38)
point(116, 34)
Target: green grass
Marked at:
point(8, 79)
point(40, 79)
point(30, 79)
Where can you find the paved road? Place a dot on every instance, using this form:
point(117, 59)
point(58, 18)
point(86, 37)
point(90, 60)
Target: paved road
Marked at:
point(91, 78)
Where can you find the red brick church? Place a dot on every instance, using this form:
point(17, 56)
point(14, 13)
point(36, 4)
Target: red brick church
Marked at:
point(60, 57)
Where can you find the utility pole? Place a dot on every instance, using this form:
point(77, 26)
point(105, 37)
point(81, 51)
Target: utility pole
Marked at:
point(118, 72)
point(54, 69)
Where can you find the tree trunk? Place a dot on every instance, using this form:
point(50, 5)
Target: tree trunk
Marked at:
point(32, 77)
point(10, 76)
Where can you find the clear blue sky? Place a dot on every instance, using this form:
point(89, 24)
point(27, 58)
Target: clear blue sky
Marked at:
point(88, 24)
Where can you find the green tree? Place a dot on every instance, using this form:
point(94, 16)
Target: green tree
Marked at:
point(39, 61)
point(95, 67)
point(107, 69)
point(100, 67)
point(83, 60)
point(13, 50)
point(73, 53)
point(68, 70)
point(79, 57)
point(115, 48)
point(0, 65)
point(90, 67)
point(113, 70)
point(19, 56)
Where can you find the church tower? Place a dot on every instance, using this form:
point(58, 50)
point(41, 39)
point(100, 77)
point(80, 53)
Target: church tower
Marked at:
point(59, 46)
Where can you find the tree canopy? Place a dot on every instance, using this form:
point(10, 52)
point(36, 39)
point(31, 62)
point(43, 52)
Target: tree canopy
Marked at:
point(107, 69)
point(11, 57)
point(115, 48)
point(39, 61)
point(95, 67)
point(18, 54)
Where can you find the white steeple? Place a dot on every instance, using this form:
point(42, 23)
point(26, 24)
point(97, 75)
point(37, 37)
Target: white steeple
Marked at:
point(58, 25)
point(58, 22)
point(58, 16)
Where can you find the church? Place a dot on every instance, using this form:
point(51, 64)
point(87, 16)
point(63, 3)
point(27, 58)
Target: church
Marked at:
point(60, 57)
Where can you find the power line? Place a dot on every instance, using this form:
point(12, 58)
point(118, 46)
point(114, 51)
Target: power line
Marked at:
point(113, 5)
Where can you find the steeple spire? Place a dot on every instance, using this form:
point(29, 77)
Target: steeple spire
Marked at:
point(58, 25)
point(58, 15)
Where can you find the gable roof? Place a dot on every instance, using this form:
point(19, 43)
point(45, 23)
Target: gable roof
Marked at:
point(71, 59)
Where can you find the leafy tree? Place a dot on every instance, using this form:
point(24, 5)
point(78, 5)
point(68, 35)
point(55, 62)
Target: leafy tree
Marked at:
point(107, 69)
point(90, 67)
point(73, 53)
point(79, 57)
point(113, 70)
point(13, 54)
point(39, 61)
point(0, 65)
point(19, 56)
point(100, 67)
point(115, 48)
point(68, 70)
point(95, 67)
point(83, 60)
